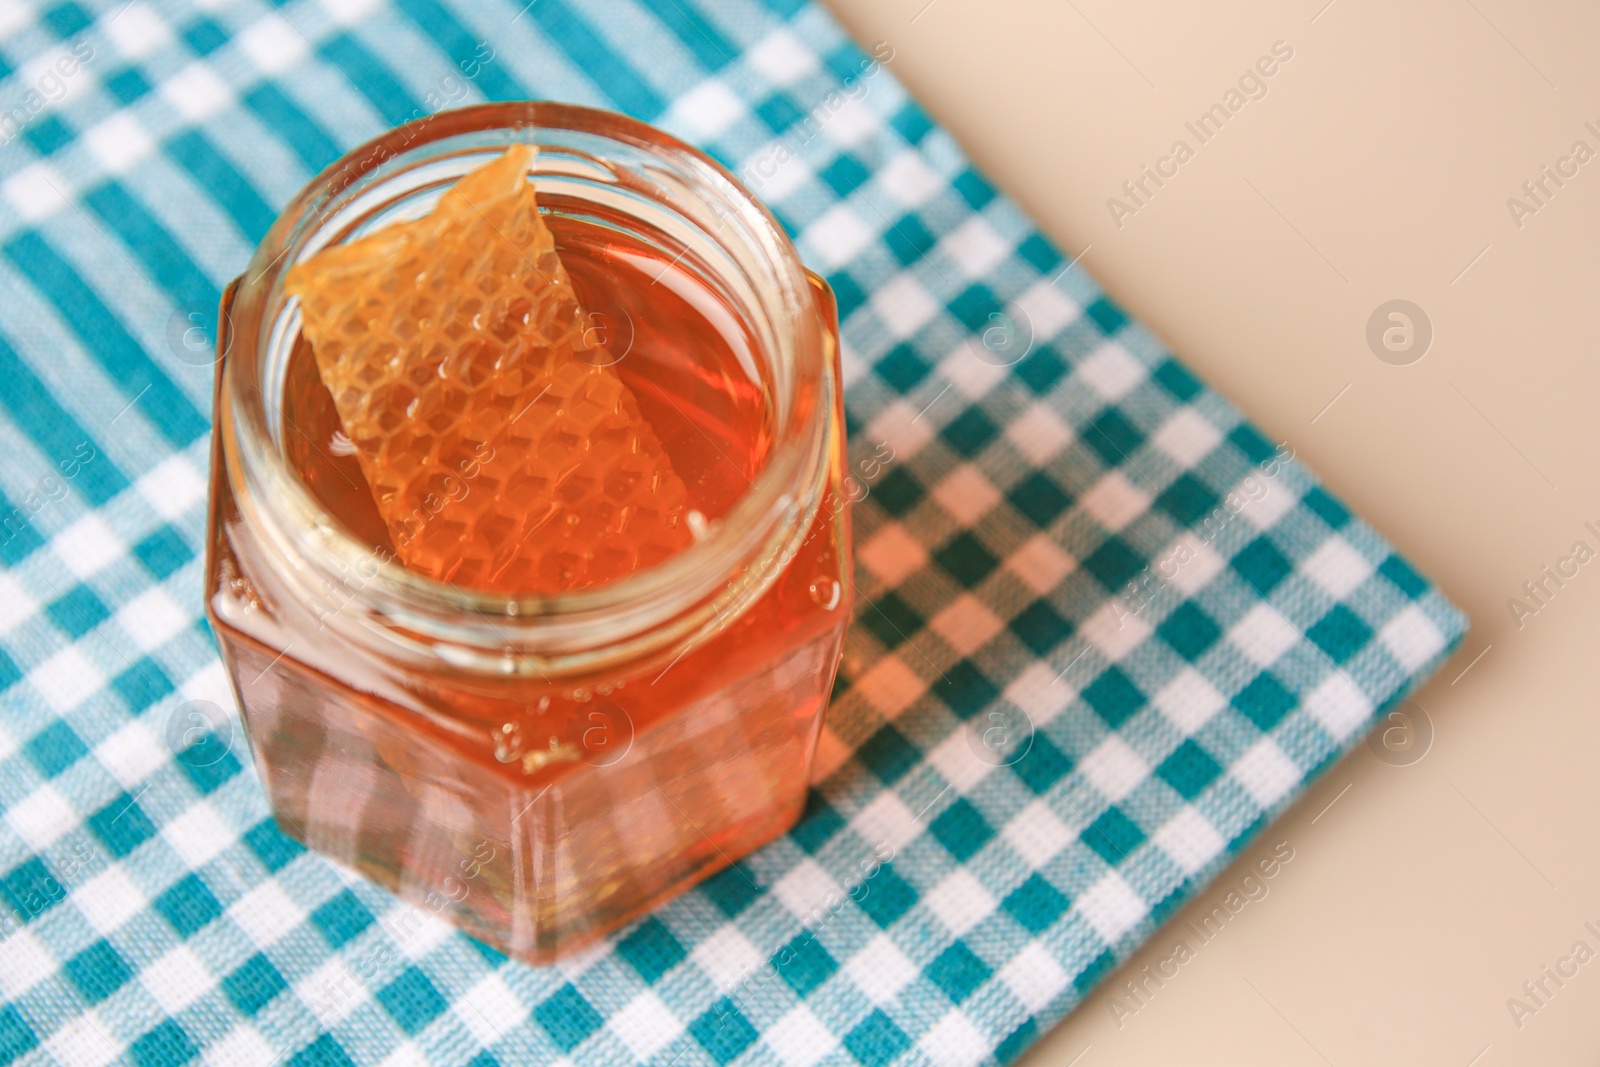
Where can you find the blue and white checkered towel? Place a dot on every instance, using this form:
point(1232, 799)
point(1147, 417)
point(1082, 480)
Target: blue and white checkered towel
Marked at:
point(1106, 631)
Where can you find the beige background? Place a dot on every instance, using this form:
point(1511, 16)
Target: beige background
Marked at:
point(1378, 166)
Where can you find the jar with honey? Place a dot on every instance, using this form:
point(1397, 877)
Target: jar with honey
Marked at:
point(528, 552)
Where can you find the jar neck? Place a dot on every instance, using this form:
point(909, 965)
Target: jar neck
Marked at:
point(671, 195)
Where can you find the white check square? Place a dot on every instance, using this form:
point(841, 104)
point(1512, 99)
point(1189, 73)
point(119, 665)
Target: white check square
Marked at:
point(67, 678)
point(892, 555)
point(782, 57)
point(1037, 834)
point(1190, 839)
point(705, 111)
point(1042, 692)
point(1111, 907)
point(1114, 768)
point(177, 980)
point(727, 957)
point(646, 1025)
point(1114, 501)
point(87, 546)
point(1041, 563)
point(1339, 705)
point(1337, 567)
point(1034, 976)
point(960, 901)
point(1188, 437)
point(490, 1010)
point(1189, 701)
point(1115, 629)
point(1048, 310)
point(118, 142)
point(887, 820)
point(799, 1038)
point(109, 899)
point(1111, 371)
point(1266, 772)
point(16, 606)
point(1263, 635)
point(36, 191)
point(24, 963)
point(266, 913)
point(152, 618)
point(837, 236)
point(881, 970)
point(806, 887)
point(1039, 434)
point(954, 1041)
point(272, 45)
point(974, 247)
point(172, 487)
point(908, 178)
point(41, 817)
point(196, 92)
point(890, 687)
point(83, 1042)
point(967, 494)
point(966, 624)
point(905, 305)
point(1412, 638)
point(954, 760)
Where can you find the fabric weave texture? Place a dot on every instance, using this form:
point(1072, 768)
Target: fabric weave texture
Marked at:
point(1105, 630)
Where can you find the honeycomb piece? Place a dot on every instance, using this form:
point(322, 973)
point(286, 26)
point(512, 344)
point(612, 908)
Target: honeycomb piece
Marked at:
point(502, 450)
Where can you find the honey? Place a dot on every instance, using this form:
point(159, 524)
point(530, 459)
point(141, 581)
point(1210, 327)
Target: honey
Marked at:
point(532, 618)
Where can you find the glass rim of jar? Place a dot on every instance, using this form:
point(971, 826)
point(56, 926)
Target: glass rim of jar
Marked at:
point(399, 610)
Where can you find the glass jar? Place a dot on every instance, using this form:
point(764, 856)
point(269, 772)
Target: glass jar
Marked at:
point(538, 769)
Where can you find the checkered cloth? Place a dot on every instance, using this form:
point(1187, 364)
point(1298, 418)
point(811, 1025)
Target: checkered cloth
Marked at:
point(1105, 630)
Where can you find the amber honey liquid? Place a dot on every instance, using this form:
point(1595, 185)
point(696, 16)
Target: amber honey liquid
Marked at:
point(591, 797)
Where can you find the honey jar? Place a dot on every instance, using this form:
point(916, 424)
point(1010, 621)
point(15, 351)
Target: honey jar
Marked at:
point(529, 555)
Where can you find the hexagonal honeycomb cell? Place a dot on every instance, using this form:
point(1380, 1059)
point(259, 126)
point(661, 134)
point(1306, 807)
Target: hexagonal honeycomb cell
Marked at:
point(502, 450)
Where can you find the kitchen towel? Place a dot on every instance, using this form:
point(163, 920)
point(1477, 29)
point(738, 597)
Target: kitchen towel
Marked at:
point(1105, 629)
